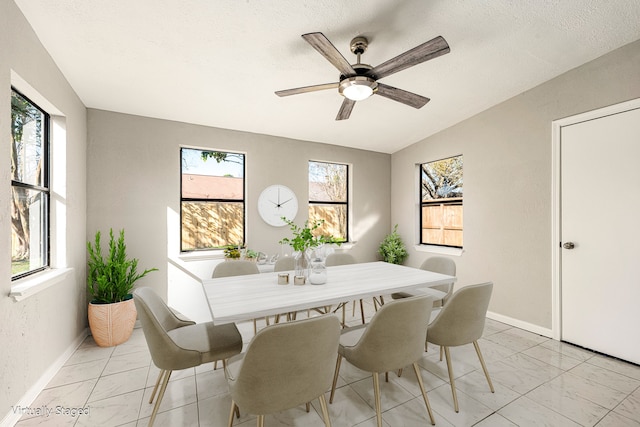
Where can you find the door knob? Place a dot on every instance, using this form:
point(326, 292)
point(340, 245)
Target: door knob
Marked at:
point(569, 245)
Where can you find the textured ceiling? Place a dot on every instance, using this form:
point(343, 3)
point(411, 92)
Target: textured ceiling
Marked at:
point(218, 63)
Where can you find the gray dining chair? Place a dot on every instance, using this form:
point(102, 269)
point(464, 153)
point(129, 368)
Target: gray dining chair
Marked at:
point(393, 339)
point(238, 268)
point(174, 345)
point(342, 258)
point(284, 264)
point(461, 321)
point(285, 365)
point(235, 268)
point(440, 265)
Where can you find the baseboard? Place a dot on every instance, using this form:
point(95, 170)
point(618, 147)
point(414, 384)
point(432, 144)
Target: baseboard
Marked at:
point(12, 417)
point(521, 324)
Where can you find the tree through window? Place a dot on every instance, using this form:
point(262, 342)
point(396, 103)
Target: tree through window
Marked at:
point(29, 187)
point(441, 202)
point(328, 198)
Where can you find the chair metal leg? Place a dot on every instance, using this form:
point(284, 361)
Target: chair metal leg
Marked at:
point(308, 407)
point(399, 372)
point(255, 327)
point(362, 311)
point(260, 420)
point(451, 380)
point(325, 410)
point(155, 388)
point(441, 353)
point(163, 388)
point(484, 367)
point(232, 413)
point(424, 393)
point(335, 378)
point(376, 394)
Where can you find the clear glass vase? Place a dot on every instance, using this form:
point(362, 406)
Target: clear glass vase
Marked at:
point(301, 263)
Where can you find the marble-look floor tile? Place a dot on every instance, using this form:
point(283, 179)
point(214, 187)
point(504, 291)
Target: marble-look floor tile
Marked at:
point(606, 377)
point(568, 350)
point(412, 414)
point(522, 373)
point(560, 396)
point(409, 382)
point(89, 353)
point(348, 408)
point(630, 407)
point(214, 412)
point(72, 395)
point(552, 357)
point(526, 412)
point(471, 410)
point(495, 420)
point(113, 411)
point(127, 362)
point(624, 368)
point(476, 386)
point(178, 393)
point(175, 375)
point(80, 372)
point(613, 419)
point(183, 416)
point(391, 393)
point(120, 383)
point(515, 339)
point(211, 383)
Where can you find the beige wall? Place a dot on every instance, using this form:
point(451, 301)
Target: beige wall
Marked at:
point(36, 332)
point(507, 177)
point(134, 182)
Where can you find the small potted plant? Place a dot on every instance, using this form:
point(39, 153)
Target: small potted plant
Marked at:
point(112, 313)
point(302, 241)
point(392, 248)
point(231, 253)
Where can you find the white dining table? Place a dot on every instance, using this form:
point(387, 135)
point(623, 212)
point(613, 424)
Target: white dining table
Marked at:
point(238, 298)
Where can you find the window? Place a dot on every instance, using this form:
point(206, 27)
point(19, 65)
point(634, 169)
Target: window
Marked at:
point(212, 199)
point(328, 198)
point(29, 187)
point(441, 202)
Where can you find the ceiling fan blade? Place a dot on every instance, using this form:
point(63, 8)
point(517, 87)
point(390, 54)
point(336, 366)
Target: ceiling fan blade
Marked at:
point(307, 89)
point(329, 51)
point(426, 51)
point(345, 109)
point(408, 98)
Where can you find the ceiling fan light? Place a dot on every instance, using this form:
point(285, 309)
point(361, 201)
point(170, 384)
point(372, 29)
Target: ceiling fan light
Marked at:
point(357, 88)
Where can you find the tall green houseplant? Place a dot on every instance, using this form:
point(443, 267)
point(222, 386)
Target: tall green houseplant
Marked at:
point(392, 248)
point(111, 279)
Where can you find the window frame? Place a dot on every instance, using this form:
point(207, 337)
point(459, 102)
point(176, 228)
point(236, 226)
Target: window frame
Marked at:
point(44, 189)
point(195, 199)
point(346, 203)
point(457, 201)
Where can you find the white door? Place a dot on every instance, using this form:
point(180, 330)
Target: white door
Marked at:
point(600, 217)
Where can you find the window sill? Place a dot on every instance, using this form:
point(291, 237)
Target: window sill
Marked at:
point(29, 286)
point(201, 255)
point(443, 250)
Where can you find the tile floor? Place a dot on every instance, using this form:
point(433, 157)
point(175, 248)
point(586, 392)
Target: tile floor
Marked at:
point(538, 382)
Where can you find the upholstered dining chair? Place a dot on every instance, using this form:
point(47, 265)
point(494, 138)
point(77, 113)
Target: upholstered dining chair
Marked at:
point(238, 268)
point(284, 264)
point(175, 347)
point(437, 264)
point(342, 258)
point(461, 321)
point(393, 339)
point(235, 268)
point(285, 365)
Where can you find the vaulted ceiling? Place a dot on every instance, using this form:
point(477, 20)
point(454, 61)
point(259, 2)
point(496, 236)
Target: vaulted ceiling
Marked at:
point(218, 63)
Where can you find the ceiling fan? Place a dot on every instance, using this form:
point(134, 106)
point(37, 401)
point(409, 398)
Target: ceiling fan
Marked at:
point(360, 81)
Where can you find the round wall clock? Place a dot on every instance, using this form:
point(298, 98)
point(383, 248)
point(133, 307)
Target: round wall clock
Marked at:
point(275, 202)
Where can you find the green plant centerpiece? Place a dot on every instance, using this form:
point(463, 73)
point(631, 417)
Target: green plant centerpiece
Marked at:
point(392, 248)
point(303, 241)
point(110, 281)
